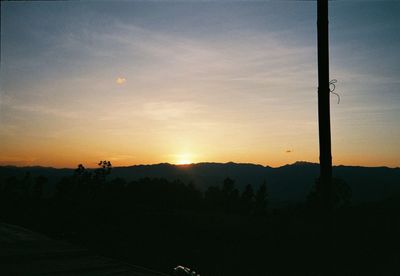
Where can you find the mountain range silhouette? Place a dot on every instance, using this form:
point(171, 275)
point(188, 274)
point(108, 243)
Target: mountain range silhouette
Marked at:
point(286, 184)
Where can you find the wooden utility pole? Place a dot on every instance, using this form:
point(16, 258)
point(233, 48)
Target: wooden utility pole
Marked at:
point(323, 101)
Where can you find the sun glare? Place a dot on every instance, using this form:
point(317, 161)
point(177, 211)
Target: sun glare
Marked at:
point(184, 162)
point(183, 159)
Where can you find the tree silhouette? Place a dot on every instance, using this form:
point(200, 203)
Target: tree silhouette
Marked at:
point(10, 188)
point(98, 180)
point(340, 195)
point(101, 173)
point(25, 185)
point(80, 171)
point(213, 198)
point(261, 199)
point(230, 196)
point(104, 170)
point(37, 189)
point(247, 200)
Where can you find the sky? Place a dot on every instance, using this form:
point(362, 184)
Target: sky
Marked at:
point(140, 82)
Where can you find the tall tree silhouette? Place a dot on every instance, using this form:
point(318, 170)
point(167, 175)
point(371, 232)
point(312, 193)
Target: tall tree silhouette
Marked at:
point(341, 195)
point(247, 200)
point(104, 169)
point(37, 189)
point(261, 199)
point(213, 198)
point(230, 195)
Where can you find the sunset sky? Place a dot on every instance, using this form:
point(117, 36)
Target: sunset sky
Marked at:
point(181, 82)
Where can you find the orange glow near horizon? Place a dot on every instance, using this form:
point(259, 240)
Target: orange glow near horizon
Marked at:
point(91, 160)
point(85, 147)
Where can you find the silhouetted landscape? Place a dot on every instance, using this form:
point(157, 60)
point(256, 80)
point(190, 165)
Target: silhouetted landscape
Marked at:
point(218, 219)
point(289, 183)
point(172, 84)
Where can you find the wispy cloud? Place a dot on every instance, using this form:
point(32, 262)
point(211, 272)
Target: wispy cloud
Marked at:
point(165, 111)
point(45, 110)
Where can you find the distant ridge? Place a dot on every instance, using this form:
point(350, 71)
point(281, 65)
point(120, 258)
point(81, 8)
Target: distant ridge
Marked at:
point(296, 163)
point(288, 183)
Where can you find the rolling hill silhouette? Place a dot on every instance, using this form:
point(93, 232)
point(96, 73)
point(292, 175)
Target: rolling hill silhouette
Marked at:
point(289, 183)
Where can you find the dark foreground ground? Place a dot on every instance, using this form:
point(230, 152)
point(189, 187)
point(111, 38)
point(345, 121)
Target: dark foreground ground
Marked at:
point(282, 244)
point(23, 252)
point(159, 224)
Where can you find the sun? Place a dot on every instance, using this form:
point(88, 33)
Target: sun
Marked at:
point(184, 162)
point(183, 159)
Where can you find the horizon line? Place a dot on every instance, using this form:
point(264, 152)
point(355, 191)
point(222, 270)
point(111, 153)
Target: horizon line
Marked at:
point(198, 163)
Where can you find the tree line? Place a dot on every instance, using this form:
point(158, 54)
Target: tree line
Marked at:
point(95, 189)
